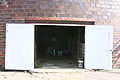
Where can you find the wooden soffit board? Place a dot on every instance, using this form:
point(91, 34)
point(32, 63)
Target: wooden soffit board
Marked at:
point(60, 20)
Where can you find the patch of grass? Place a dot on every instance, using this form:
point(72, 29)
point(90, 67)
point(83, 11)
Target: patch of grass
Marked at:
point(39, 63)
point(38, 66)
point(30, 72)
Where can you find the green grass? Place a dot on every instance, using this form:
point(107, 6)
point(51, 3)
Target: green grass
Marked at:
point(38, 66)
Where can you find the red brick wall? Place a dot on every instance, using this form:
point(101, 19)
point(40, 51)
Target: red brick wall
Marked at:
point(104, 12)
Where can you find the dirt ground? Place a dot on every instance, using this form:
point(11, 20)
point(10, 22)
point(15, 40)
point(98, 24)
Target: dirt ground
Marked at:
point(61, 74)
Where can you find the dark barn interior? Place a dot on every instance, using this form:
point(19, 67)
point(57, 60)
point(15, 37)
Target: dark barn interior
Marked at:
point(59, 46)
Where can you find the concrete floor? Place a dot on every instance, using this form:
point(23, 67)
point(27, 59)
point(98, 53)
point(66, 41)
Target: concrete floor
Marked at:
point(56, 62)
point(61, 74)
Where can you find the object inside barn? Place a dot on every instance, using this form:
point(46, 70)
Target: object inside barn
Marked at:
point(59, 46)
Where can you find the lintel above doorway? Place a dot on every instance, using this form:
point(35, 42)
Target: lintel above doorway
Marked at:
point(60, 20)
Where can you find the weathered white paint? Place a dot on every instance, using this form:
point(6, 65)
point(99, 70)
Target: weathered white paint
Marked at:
point(19, 47)
point(98, 46)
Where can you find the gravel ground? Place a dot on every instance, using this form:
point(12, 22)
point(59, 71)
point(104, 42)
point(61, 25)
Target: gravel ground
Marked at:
point(61, 74)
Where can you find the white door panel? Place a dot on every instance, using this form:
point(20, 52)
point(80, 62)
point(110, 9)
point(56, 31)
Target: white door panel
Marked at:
point(98, 46)
point(19, 47)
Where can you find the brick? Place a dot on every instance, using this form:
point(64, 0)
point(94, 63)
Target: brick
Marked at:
point(17, 21)
point(8, 0)
point(29, 14)
point(33, 10)
point(93, 4)
point(33, 2)
point(43, 6)
point(25, 6)
point(19, 6)
point(9, 3)
point(103, 12)
point(2, 7)
point(27, 10)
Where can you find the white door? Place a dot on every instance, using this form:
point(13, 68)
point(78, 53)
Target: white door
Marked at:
point(98, 47)
point(19, 54)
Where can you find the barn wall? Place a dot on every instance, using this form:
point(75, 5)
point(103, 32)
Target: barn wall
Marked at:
point(104, 12)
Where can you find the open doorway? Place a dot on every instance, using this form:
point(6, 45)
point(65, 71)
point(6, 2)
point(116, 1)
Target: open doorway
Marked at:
point(59, 46)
